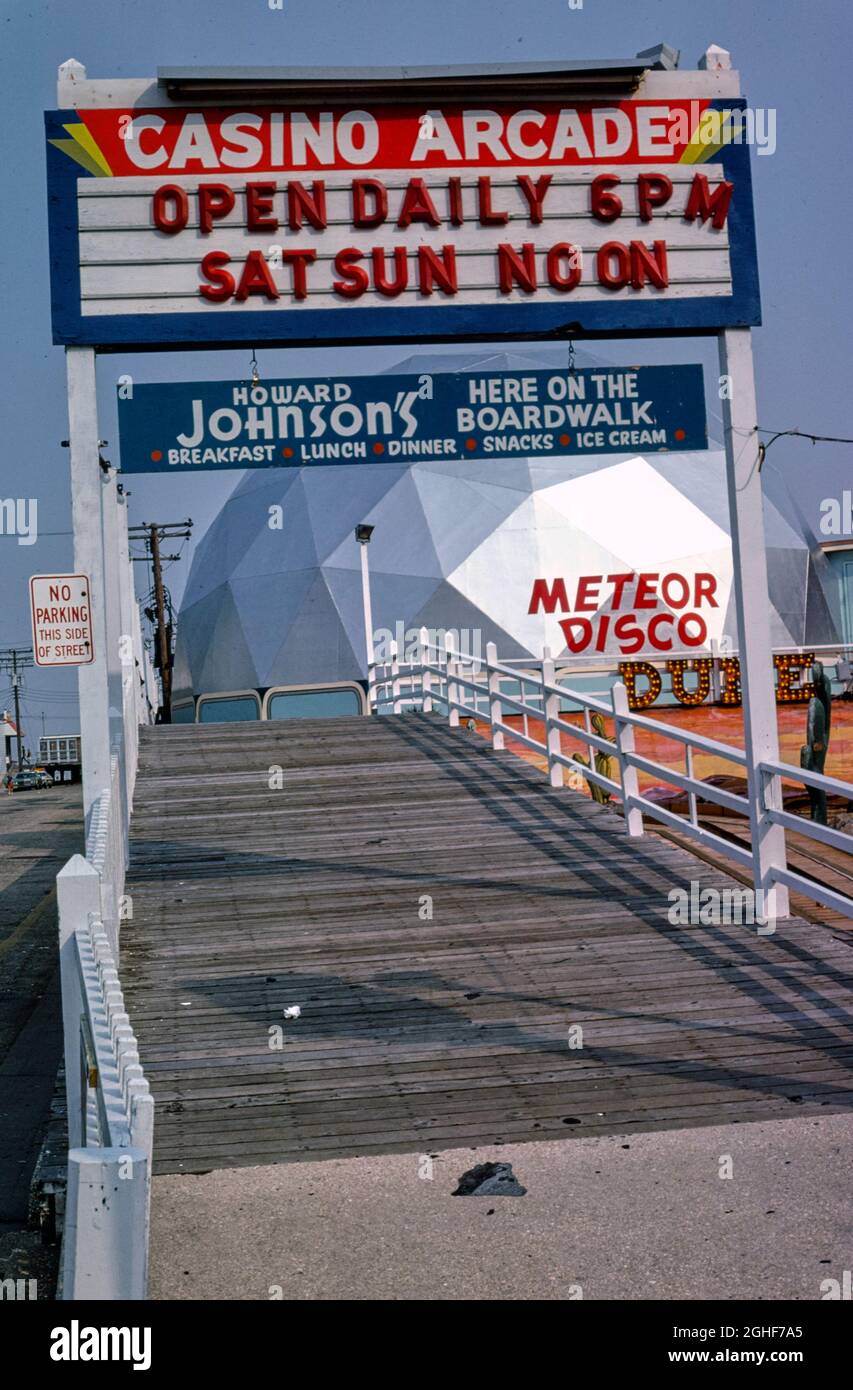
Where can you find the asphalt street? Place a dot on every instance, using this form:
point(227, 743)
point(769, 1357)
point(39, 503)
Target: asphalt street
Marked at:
point(39, 831)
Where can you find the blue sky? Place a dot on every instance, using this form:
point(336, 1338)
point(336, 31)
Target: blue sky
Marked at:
point(791, 55)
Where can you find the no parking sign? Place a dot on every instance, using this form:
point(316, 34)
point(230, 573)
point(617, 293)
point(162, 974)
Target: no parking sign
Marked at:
point(62, 620)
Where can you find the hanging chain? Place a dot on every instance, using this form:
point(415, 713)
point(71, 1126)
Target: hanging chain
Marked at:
point(571, 357)
point(256, 376)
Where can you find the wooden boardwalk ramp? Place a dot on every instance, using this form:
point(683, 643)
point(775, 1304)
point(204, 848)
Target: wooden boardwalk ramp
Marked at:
point(445, 922)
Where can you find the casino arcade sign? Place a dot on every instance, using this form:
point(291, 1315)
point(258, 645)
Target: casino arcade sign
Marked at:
point(175, 226)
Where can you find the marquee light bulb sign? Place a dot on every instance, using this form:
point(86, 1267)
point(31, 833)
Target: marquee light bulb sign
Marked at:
point(792, 687)
point(172, 226)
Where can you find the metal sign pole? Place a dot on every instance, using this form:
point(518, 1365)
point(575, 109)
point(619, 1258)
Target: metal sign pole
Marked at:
point(746, 514)
point(86, 513)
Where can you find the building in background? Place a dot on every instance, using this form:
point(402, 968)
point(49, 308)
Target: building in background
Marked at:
point(59, 755)
point(839, 557)
point(8, 733)
point(459, 546)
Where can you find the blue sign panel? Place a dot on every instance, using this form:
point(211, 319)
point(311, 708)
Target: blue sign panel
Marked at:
point(182, 426)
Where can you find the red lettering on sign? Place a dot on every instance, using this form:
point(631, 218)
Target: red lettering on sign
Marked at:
point(535, 194)
point(514, 268)
point(375, 189)
point(488, 216)
point(627, 633)
point(302, 204)
point(706, 587)
point(683, 594)
point(417, 206)
point(654, 624)
point(604, 204)
point(454, 198)
point(174, 198)
point(568, 625)
point(390, 288)
point(256, 278)
point(618, 581)
point(222, 282)
point(215, 200)
point(437, 269)
point(587, 596)
point(645, 596)
point(564, 251)
point(259, 198)
point(355, 279)
point(653, 190)
point(618, 278)
point(649, 265)
point(702, 203)
point(548, 598)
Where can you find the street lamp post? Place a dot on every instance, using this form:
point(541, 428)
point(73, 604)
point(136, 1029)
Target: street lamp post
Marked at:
point(362, 535)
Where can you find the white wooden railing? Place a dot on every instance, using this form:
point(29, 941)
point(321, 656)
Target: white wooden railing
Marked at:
point(107, 850)
point(439, 679)
point(110, 1108)
point(109, 1103)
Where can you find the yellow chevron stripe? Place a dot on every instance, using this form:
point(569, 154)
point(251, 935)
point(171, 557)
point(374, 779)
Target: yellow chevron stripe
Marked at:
point(80, 156)
point(716, 127)
point(84, 137)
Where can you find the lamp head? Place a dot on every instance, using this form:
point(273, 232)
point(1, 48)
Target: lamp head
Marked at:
point(363, 533)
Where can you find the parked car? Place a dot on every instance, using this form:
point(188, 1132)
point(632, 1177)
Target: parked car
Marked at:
point(30, 781)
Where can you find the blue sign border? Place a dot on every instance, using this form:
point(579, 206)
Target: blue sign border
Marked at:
point(441, 322)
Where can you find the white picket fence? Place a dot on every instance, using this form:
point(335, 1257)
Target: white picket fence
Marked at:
point(109, 1103)
point(110, 1107)
point(439, 679)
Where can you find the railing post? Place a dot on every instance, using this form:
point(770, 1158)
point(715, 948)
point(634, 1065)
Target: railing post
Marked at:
point(78, 893)
point(551, 712)
point(395, 675)
point(627, 773)
point(105, 1243)
point(691, 796)
point(495, 707)
point(452, 690)
point(426, 676)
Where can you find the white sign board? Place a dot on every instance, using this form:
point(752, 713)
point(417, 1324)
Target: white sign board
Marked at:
point(62, 619)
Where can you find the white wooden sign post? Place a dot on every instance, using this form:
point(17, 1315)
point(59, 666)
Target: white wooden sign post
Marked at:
point(87, 521)
point(752, 603)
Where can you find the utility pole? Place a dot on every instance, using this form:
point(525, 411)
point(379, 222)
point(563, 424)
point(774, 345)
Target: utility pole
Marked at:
point(164, 642)
point(152, 533)
point(15, 660)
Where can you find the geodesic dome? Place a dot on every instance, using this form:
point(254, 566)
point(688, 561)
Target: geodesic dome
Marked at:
point(457, 546)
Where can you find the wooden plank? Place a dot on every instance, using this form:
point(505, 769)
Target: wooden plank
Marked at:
point(248, 898)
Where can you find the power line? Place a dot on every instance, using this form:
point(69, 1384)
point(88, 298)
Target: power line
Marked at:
point(803, 434)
